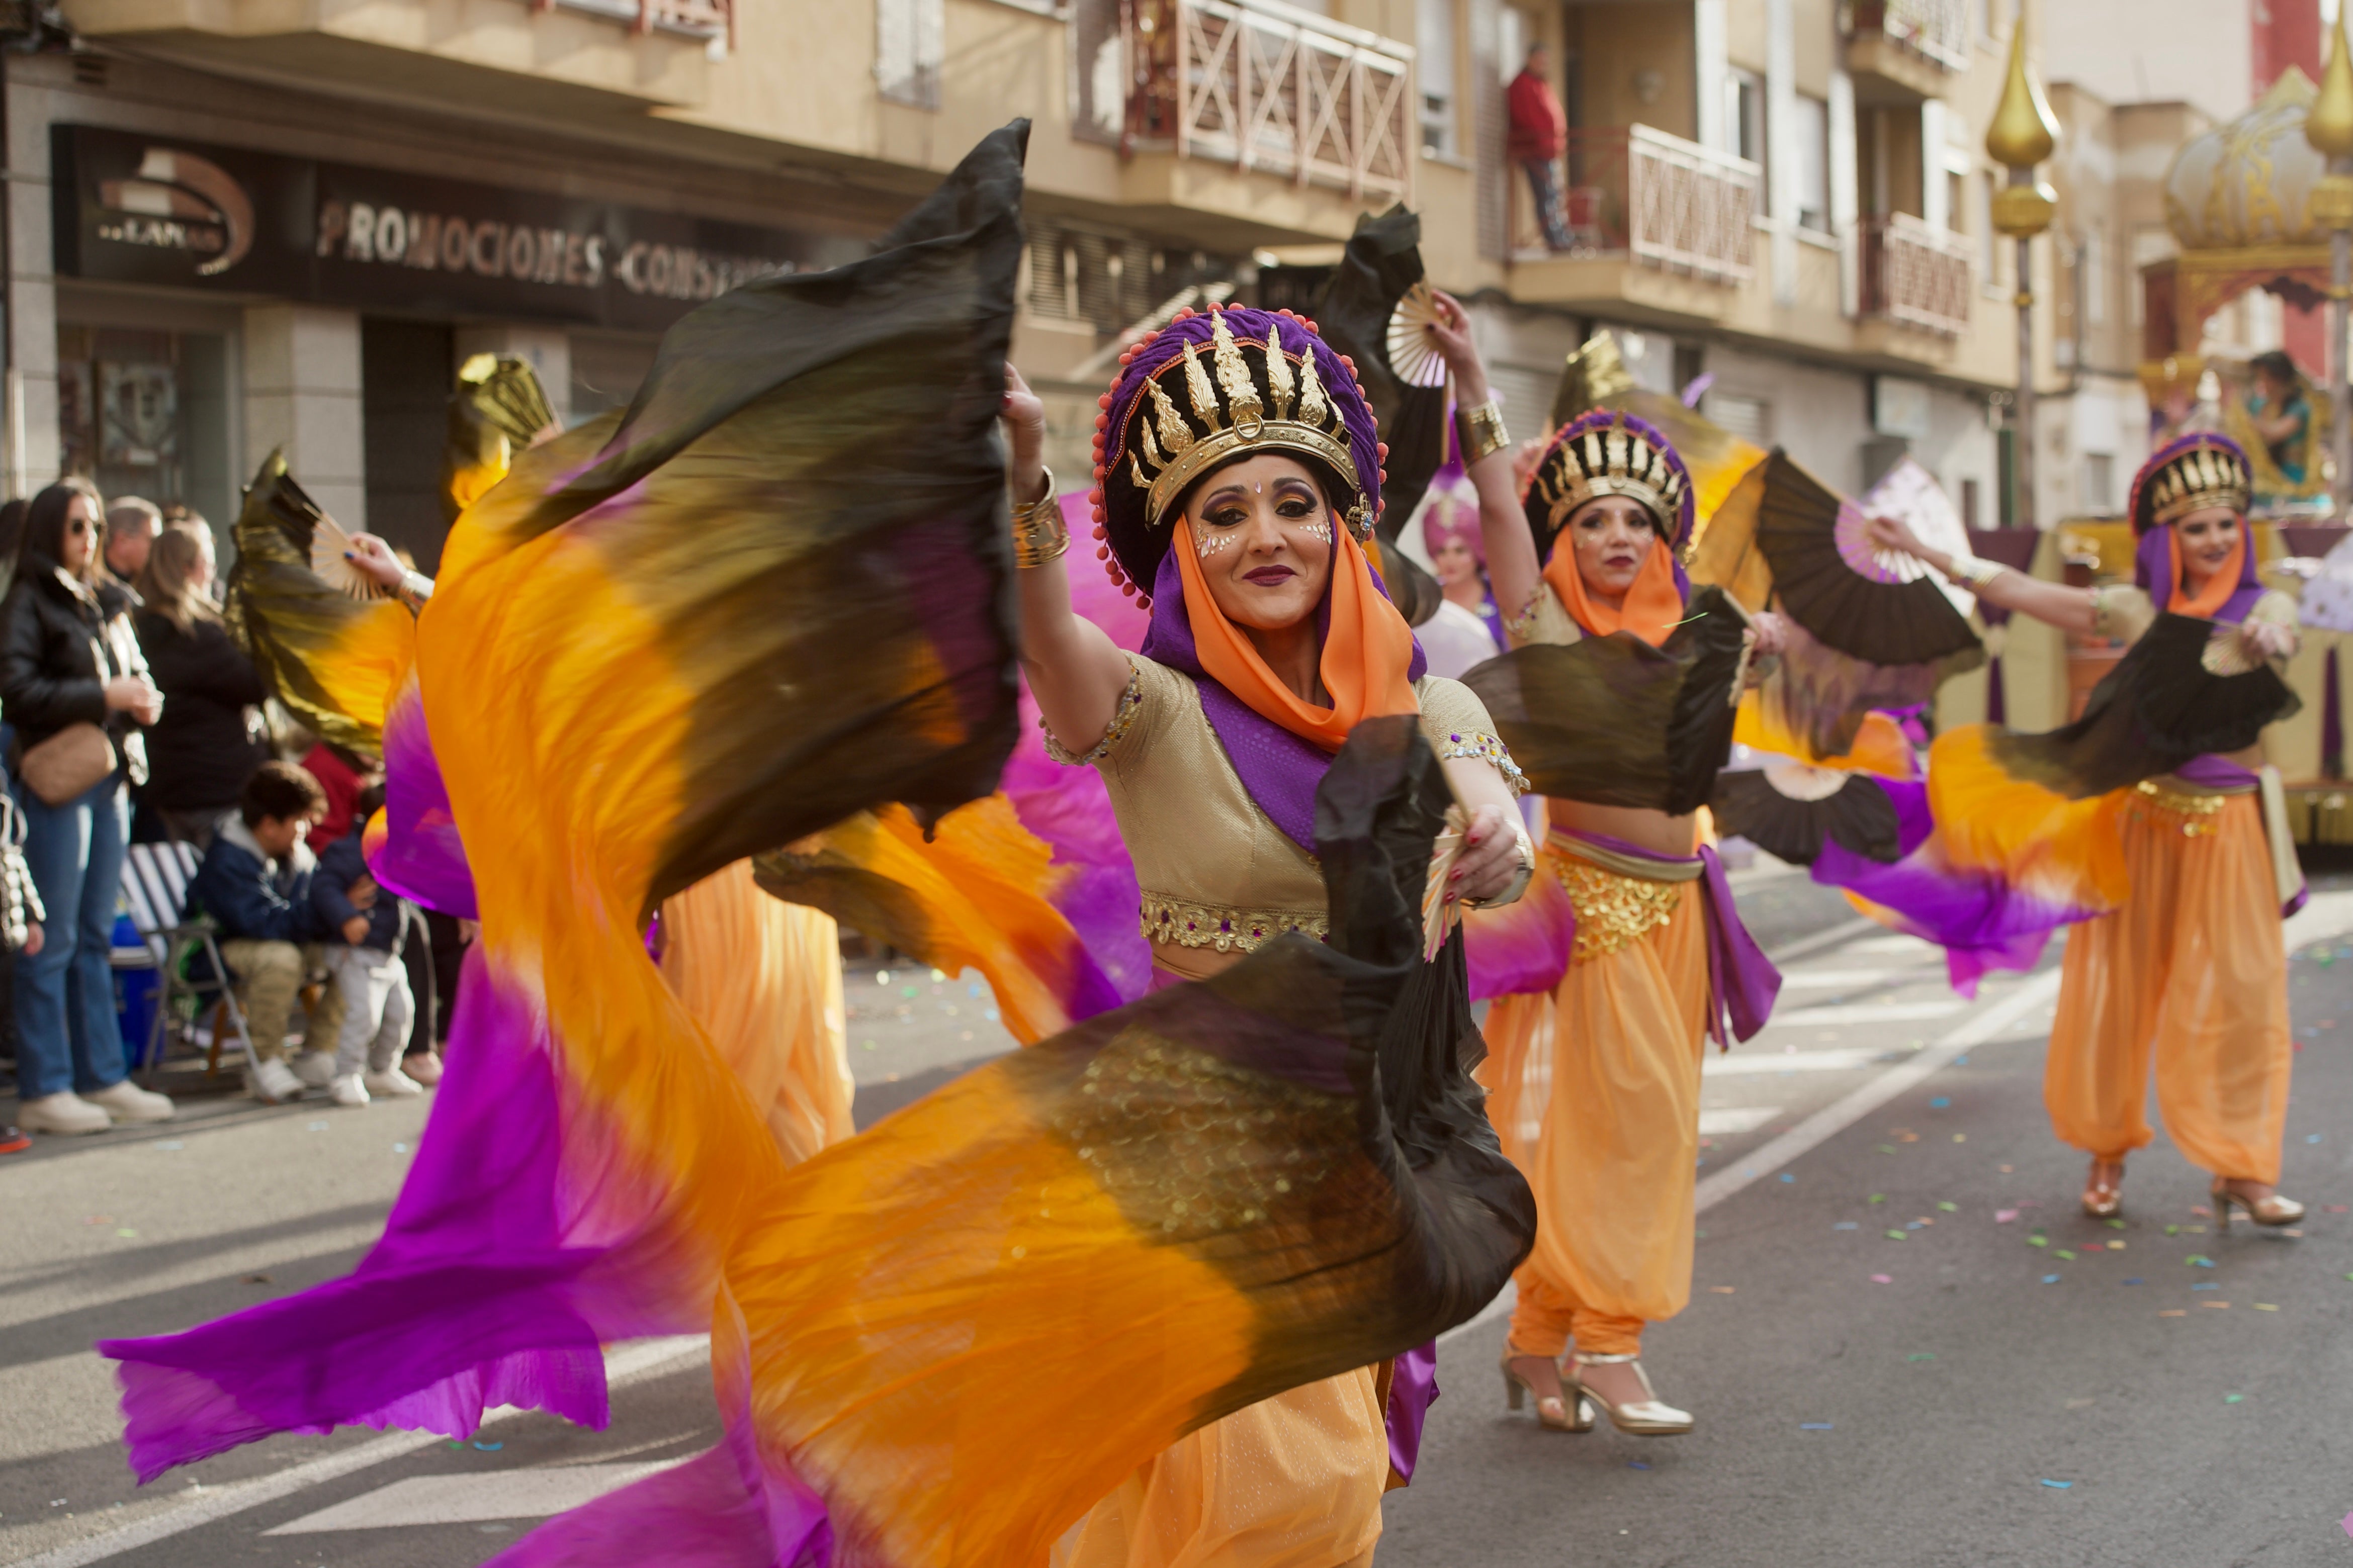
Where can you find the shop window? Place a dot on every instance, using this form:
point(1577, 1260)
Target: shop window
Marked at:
point(408, 370)
point(146, 412)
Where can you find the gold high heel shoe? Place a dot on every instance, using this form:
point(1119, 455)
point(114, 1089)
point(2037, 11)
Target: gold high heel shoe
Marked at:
point(2271, 1210)
point(1566, 1412)
point(1649, 1417)
point(2103, 1193)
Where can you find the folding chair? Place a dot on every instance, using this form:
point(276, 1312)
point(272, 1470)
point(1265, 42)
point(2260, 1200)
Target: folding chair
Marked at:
point(155, 878)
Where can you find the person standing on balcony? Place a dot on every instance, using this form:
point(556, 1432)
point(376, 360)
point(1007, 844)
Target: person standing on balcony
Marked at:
point(1539, 134)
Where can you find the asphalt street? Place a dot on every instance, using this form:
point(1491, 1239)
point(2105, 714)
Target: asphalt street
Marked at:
point(1905, 1346)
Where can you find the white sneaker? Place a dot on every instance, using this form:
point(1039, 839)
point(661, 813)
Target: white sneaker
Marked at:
point(62, 1113)
point(392, 1083)
point(272, 1082)
point(126, 1101)
point(348, 1089)
point(315, 1068)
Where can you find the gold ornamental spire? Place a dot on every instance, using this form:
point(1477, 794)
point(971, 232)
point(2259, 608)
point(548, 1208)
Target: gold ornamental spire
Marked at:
point(2024, 130)
point(2329, 126)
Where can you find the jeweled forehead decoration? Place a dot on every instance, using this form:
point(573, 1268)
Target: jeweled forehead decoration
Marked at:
point(1174, 440)
point(1608, 459)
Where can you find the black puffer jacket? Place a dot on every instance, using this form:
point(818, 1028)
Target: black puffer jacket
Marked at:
point(57, 650)
point(202, 751)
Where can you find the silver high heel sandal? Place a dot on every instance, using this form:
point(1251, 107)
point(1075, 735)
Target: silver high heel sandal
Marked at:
point(1565, 1413)
point(1649, 1417)
point(2271, 1210)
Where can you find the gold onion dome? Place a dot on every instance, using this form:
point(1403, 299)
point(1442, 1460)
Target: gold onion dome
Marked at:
point(2330, 126)
point(2250, 182)
point(2024, 129)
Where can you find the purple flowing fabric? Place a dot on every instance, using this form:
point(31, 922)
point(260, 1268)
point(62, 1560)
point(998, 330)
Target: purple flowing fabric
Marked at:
point(1280, 770)
point(420, 858)
point(1983, 922)
point(1742, 983)
point(487, 1289)
point(1413, 1389)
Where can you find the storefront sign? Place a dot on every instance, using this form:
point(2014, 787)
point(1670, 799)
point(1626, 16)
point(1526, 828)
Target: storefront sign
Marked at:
point(142, 209)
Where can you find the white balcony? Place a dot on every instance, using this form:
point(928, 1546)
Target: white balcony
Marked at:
point(1915, 274)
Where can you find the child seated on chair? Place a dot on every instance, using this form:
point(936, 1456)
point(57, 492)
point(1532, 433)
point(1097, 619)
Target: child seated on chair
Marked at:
point(378, 1008)
point(255, 883)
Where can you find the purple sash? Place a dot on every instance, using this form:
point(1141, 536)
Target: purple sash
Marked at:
point(1741, 984)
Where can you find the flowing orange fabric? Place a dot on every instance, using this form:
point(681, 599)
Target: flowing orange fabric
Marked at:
point(1367, 650)
point(764, 978)
point(1654, 606)
point(1594, 1091)
point(2064, 852)
point(1879, 745)
point(2191, 972)
point(1294, 1482)
point(2208, 601)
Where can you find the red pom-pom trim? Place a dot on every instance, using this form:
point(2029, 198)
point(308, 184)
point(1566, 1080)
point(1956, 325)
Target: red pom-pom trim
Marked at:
point(1101, 472)
point(1101, 534)
point(1143, 601)
point(1102, 421)
point(1127, 589)
point(1104, 401)
point(1382, 448)
point(1103, 552)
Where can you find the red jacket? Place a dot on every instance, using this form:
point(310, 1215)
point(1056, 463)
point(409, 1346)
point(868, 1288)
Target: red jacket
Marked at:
point(1539, 125)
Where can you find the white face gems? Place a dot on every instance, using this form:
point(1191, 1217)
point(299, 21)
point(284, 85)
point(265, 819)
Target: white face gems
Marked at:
point(1318, 528)
point(1211, 541)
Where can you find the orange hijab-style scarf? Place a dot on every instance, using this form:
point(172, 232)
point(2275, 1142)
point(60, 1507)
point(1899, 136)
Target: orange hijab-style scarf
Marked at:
point(1653, 607)
point(1367, 648)
point(2209, 600)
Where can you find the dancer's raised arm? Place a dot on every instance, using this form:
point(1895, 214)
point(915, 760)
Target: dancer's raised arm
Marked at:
point(1074, 669)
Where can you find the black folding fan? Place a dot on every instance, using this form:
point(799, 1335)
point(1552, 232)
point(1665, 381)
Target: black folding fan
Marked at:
point(1791, 810)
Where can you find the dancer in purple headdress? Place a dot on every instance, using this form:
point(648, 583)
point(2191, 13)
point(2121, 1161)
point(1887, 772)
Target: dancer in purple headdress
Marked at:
point(1237, 478)
point(2157, 802)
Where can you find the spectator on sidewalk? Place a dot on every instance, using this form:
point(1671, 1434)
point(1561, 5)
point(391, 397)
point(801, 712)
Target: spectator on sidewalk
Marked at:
point(255, 883)
point(210, 738)
point(20, 919)
point(1539, 135)
point(75, 687)
point(131, 524)
point(379, 1010)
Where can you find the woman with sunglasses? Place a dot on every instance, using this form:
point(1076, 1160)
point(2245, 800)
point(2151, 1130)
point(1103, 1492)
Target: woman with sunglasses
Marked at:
point(68, 658)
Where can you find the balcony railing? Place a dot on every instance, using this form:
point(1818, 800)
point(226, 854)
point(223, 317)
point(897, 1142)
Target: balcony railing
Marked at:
point(1261, 86)
point(1667, 203)
point(694, 19)
point(1915, 274)
point(1937, 30)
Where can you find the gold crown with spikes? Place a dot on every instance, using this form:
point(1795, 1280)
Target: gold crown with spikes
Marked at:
point(1610, 461)
point(1170, 451)
point(2201, 477)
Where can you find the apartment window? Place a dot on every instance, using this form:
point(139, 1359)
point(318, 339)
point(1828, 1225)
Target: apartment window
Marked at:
point(1434, 73)
point(1957, 203)
point(1988, 237)
point(1743, 114)
point(1811, 126)
point(2092, 258)
point(908, 50)
point(2151, 242)
point(1750, 418)
point(2099, 483)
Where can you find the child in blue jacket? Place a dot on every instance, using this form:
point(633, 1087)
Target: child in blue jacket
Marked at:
point(378, 1009)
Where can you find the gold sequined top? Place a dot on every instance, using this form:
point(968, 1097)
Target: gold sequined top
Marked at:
point(1214, 870)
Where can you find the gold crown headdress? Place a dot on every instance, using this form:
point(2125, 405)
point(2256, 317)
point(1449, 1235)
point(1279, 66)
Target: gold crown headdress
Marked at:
point(1610, 453)
point(2203, 471)
point(1283, 407)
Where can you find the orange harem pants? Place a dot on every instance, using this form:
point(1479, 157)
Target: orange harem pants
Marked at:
point(2191, 972)
point(1594, 1091)
point(1294, 1482)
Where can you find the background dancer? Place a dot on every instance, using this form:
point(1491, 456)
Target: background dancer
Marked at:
point(2191, 971)
point(1595, 1079)
point(1239, 466)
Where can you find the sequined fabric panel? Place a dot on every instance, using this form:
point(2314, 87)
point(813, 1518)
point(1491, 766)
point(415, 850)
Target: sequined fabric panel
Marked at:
point(1190, 1145)
point(1614, 909)
point(1223, 928)
point(1485, 748)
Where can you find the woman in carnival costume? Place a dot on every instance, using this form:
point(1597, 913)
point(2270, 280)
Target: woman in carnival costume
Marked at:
point(1594, 1055)
point(2183, 965)
point(1237, 475)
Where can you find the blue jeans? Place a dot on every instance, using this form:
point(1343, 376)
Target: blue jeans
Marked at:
point(1543, 185)
point(67, 1034)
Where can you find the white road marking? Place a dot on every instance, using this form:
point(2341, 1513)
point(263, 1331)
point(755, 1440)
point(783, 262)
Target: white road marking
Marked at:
point(632, 1364)
point(465, 1499)
point(1832, 1120)
point(1897, 942)
point(1724, 1120)
point(1868, 1013)
point(1824, 979)
point(1791, 951)
point(1760, 1064)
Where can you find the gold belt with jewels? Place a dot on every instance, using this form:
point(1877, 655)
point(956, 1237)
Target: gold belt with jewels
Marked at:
point(1618, 902)
point(1223, 928)
point(2193, 811)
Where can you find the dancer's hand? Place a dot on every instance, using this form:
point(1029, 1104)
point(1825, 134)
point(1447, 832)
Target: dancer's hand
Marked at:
point(1888, 533)
point(1768, 634)
point(1490, 857)
point(2267, 640)
point(1451, 335)
point(1024, 415)
point(373, 559)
